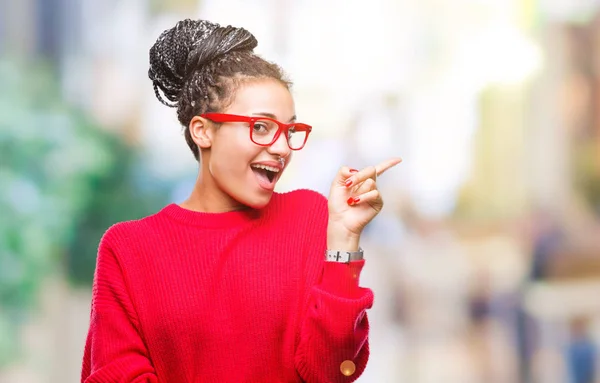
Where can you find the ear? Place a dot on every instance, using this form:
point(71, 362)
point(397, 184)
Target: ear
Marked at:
point(201, 132)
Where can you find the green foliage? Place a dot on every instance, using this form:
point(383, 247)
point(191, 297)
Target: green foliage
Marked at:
point(126, 192)
point(587, 172)
point(63, 182)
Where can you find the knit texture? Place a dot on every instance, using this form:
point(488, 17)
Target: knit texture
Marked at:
point(245, 296)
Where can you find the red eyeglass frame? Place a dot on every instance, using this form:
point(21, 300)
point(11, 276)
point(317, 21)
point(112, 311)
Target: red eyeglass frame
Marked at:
point(223, 117)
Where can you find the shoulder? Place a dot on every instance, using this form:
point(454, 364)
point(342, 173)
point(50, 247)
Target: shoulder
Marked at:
point(306, 214)
point(303, 205)
point(124, 234)
point(303, 198)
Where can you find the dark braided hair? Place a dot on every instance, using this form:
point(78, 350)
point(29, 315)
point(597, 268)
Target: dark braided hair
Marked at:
point(198, 65)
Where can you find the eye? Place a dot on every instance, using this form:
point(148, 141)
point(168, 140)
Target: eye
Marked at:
point(260, 127)
point(291, 131)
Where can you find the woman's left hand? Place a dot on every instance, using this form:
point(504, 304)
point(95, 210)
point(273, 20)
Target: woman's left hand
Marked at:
point(354, 200)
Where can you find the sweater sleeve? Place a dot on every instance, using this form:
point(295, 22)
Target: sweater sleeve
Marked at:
point(333, 333)
point(114, 350)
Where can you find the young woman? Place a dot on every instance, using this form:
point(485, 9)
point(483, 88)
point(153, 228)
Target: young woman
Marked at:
point(237, 283)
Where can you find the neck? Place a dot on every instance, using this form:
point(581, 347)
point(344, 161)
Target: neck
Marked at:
point(207, 197)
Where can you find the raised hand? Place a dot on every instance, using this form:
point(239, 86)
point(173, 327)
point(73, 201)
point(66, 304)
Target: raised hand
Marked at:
point(354, 201)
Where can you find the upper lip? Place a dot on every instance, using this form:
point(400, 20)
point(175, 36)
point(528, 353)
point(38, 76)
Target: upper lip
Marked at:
point(272, 164)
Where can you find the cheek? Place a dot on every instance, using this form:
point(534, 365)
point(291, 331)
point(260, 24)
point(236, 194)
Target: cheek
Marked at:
point(231, 157)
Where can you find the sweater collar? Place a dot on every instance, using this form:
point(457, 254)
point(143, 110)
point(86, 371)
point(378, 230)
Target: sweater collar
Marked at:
point(216, 220)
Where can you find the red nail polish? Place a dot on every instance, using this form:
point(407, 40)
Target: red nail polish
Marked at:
point(353, 171)
point(351, 201)
point(348, 183)
point(356, 200)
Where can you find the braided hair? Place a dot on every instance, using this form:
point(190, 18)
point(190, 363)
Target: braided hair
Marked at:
point(197, 65)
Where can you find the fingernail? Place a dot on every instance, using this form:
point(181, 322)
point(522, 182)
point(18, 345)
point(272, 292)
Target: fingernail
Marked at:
point(353, 171)
point(348, 183)
point(356, 199)
point(351, 201)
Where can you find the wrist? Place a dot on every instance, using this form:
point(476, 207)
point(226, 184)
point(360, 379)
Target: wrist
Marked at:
point(342, 239)
point(344, 256)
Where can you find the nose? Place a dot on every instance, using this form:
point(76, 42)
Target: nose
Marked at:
point(280, 146)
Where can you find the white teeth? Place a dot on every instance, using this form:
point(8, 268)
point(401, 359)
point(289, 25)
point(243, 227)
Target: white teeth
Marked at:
point(259, 166)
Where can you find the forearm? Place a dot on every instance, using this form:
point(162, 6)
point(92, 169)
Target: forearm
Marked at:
point(335, 327)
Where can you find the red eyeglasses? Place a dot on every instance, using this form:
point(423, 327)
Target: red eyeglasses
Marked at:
point(265, 131)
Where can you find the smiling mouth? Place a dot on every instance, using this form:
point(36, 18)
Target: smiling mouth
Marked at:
point(265, 173)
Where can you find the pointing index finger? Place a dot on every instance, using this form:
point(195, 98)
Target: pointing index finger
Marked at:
point(385, 165)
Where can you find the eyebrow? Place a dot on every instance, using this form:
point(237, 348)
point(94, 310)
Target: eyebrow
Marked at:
point(271, 115)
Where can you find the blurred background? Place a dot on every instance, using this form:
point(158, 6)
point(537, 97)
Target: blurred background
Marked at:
point(486, 260)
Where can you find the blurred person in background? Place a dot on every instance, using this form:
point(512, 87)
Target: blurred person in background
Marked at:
point(238, 283)
point(581, 352)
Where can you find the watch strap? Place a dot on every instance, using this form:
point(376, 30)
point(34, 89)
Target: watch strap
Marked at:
point(343, 256)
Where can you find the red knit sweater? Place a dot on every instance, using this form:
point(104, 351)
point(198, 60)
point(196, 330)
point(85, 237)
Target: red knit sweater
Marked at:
point(245, 296)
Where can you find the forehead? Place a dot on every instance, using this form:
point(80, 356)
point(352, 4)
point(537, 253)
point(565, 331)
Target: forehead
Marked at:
point(263, 96)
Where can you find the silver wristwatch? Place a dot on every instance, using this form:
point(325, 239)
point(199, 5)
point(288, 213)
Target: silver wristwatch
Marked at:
point(343, 256)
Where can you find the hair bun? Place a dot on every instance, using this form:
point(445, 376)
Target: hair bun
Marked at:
point(186, 48)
